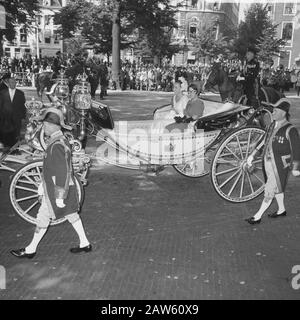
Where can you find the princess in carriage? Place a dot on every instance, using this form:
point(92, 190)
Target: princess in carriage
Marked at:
point(177, 107)
point(185, 110)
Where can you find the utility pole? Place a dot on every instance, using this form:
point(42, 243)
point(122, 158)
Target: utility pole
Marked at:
point(37, 38)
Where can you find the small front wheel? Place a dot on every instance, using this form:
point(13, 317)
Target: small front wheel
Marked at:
point(23, 191)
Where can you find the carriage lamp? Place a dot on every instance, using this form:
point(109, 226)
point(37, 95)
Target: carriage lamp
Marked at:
point(82, 102)
point(62, 90)
point(34, 109)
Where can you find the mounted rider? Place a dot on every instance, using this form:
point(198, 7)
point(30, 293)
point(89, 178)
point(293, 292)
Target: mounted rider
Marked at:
point(250, 75)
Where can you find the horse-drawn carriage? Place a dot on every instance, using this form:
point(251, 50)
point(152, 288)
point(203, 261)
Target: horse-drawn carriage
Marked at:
point(218, 144)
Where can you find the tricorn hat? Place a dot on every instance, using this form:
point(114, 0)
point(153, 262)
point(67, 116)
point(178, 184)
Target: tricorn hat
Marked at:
point(283, 104)
point(55, 116)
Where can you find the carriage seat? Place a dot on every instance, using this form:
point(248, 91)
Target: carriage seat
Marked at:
point(214, 110)
point(224, 116)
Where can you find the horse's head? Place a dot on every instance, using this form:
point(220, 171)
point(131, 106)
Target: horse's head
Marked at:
point(215, 76)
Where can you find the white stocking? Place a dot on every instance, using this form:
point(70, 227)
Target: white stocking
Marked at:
point(78, 226)
point(280, 201)
point(37, 237)
point(264, 206)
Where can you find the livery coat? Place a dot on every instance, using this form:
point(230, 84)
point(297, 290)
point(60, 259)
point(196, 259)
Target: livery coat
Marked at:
point(58, 177)
point(281, 146)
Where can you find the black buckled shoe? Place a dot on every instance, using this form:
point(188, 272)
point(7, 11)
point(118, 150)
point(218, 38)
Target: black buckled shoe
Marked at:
point(252, 221)
point(83, 249)
point(21, 253)
point(275, 215)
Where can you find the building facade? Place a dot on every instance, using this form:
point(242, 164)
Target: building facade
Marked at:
point(193, 15)
point(287, 16)
point(42, 39)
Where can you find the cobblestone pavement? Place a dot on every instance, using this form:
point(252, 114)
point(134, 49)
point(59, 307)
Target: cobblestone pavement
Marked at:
point(155, 237)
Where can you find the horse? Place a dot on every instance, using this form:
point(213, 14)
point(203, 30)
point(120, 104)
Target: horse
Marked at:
point(44, 80)
point(231, 89)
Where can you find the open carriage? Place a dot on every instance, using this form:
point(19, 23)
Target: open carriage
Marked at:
point(218, 144)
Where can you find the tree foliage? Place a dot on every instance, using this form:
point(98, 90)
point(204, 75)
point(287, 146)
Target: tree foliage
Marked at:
point(257, 31)
point(18, 12)
point(156, 30)
point(206, 44)
point(149, 21)
point(269, 45)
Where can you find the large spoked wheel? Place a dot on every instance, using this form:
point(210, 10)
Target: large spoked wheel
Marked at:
point(23, 191)
point(230, 175)
point(198, 168)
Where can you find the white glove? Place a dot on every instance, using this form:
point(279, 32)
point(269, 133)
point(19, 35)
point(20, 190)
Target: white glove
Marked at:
point(250, 160)
point(40, 189)
point(60, 203)
point(296, 173)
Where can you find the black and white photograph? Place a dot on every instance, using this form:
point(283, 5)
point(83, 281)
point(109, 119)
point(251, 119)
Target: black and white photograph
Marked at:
point(149, 152)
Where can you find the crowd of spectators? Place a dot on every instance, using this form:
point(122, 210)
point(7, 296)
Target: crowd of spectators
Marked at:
point(145, 76)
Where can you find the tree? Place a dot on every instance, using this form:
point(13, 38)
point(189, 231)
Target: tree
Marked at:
point(156, 31)
point(257, 31)
point(268, 45)
point(152, 18)
point(206, 44)
point(18, 12)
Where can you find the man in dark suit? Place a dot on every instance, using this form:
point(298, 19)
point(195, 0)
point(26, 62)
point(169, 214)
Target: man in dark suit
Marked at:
point(12, 113)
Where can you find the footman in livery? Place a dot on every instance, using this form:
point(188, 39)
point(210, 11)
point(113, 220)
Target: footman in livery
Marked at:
point(280, 148)
point(59, 195)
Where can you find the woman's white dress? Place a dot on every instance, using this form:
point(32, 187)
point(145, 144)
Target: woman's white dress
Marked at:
point(175, 110)
point(166, 115)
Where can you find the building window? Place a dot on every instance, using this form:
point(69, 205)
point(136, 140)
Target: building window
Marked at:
point(193, 30)
point(213, 5)
point(39, 19)
point(56, 37)
point(194, 4)
point(12, 42)
point(47, 39)
point(47, 20)
point(216, 6)
point(289, 8)
point(7, 52)
point(287, 33)
point(23, 36)
point(17, 53)
point(40, 35)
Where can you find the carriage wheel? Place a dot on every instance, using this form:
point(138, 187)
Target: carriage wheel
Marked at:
point(23, 191)
point(198, 168)
point(231, 177)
